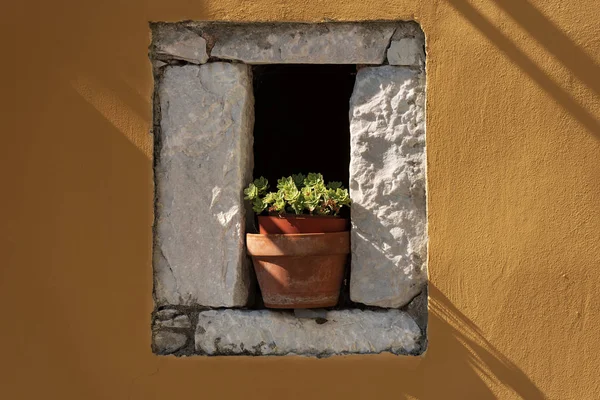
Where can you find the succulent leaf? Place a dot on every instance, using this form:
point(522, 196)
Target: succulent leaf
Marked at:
point(261, 184)
point(258, 205)
point(251, 192)
point(313, 179)
point(299, 180)
point(299, 194)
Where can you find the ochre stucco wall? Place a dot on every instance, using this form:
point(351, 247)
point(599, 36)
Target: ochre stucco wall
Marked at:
point(514, 206)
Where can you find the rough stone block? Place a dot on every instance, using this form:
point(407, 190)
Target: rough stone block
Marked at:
point(417, 309)
point(179, 43)
point(171, 319)
point(409, 29)
point(230, 332)
point(387, 186)
point(407, 52)
point(166, 314)
point(297, 43)
point(167, 342)
point(204, 162)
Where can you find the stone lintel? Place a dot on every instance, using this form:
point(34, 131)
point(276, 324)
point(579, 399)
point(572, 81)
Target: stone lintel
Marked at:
point(300, 43)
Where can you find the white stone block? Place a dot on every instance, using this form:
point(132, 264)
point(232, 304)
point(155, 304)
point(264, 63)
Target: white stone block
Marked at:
point(205, 161)
point(180, 321)
point(180, 43)
point(406, 52)
point(230, 332)
point(387, 186)
point(294, 43)
point(167, 342)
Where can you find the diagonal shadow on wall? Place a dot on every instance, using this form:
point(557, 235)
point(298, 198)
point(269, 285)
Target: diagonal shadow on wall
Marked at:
point(554, 40)
point(457, 349)
point(537, 25)
point(465, 344)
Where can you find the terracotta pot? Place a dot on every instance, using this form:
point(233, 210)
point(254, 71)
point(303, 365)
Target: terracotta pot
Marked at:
point(287, 224)
point(299, 270)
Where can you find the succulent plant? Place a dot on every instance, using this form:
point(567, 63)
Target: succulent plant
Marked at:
point(298, 194)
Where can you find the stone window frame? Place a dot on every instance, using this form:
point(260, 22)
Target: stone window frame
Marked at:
point(179, 327)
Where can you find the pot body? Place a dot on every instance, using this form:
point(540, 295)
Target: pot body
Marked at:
point(299, 270)
point(288, 224)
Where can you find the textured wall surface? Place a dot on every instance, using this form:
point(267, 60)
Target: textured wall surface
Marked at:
point(513, 216)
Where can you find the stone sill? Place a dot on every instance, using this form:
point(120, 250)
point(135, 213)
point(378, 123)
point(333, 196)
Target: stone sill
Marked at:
point(313, 333)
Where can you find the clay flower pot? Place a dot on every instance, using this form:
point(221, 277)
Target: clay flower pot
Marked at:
point(286, 224)
point(299, 270)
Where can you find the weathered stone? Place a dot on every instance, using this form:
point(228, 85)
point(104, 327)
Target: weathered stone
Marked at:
point(298, 43)
point(279, 333)
point(182, 321)
point(178, 321)
point(179, 43)
point(417, 309)
point(409, 29)
point(166, 313)
point(167, 342)
point(205, 161)
point(310, 313)
point(406, 51)
point(158, 64)
point(387, 186)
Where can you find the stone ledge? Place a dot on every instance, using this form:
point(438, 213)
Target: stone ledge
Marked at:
point(264, 332)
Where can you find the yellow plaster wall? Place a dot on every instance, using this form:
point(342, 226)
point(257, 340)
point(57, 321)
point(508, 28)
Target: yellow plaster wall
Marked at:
point(514, 206)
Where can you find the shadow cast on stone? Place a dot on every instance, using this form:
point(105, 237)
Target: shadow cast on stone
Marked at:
point(384, 235)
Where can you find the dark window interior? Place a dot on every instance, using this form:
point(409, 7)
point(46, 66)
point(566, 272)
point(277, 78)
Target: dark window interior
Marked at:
point(302, 121)
point(302, 124)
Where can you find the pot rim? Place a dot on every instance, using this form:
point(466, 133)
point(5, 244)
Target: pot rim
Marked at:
point(302, 216)
point(295, 234)
point(297, 244)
